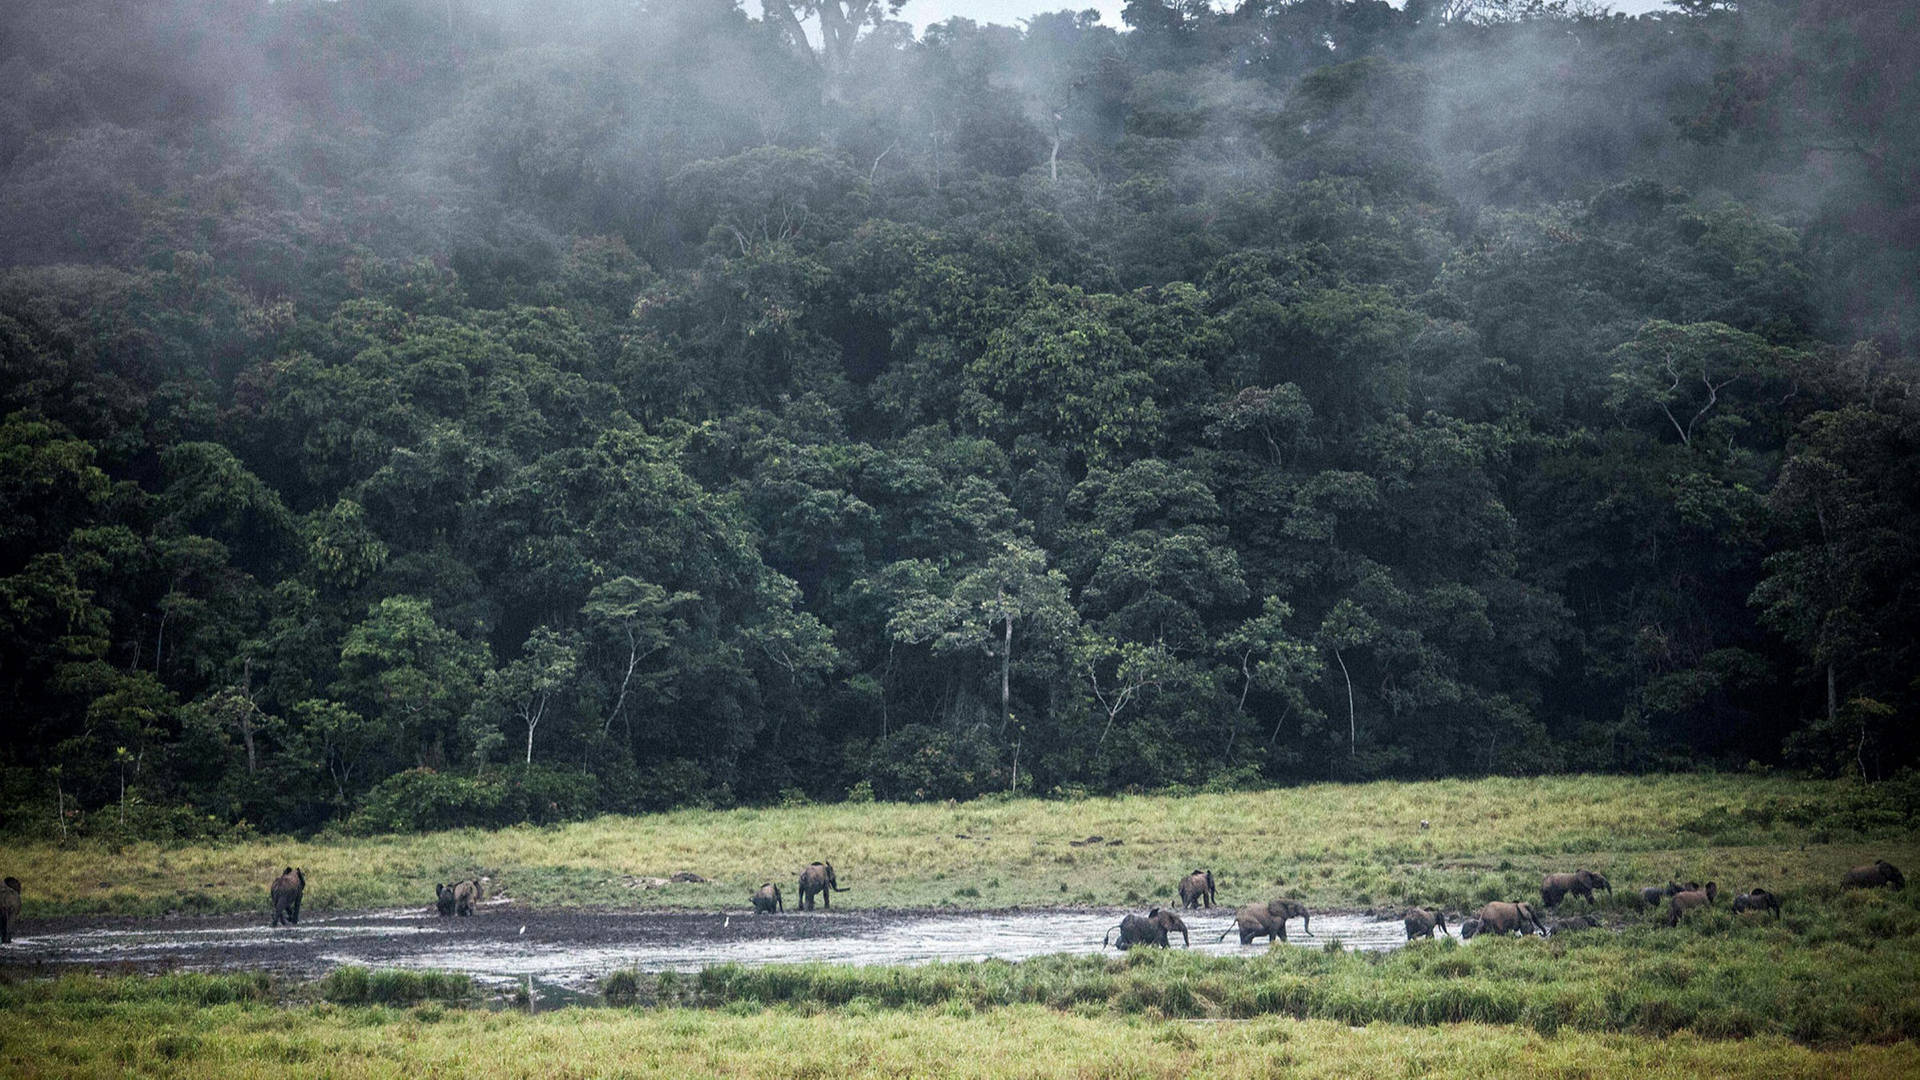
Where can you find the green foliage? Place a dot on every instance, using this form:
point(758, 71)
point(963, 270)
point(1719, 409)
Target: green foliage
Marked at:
point(1301, 391)
point(392, 986)
point(422, 800)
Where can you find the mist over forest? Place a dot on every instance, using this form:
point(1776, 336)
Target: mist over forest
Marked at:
point(420, 412)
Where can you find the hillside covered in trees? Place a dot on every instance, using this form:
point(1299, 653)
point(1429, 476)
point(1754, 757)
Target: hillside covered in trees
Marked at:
point(419, 411)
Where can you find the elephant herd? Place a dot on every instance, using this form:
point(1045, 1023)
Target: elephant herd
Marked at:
point(1197, 890)
point(1269, 920)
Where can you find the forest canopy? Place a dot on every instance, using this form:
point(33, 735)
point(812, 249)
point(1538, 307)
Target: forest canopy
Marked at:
point(474, 411)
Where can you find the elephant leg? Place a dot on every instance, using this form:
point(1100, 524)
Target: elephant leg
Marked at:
point(826, 898)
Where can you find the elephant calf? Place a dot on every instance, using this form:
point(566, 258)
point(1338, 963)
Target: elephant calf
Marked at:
point(1653, 894)
point(1555, 887)
point(1268, 920)
point(1757, 900)
point(1501, 917)
point(1196, 889)
point(285, 892)
point(443, 900)
point(1572, 925)
point(768, 899)
point(1688, 900)
point(1420, 922)
point(1149, 929)
point(1880, 873)
point(9, 908)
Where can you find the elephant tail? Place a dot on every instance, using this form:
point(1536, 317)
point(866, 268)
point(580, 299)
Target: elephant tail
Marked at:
point(1224, 933)
point(1104, 942)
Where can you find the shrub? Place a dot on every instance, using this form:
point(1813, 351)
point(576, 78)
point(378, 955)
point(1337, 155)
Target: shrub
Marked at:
point(420, 800)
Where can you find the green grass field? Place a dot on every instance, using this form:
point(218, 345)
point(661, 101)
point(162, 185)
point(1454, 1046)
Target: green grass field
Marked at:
point(1829, 989)
point(1337, 846)
point(181, 1038)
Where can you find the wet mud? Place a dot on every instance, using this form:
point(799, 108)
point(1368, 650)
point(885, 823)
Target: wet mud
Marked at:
point(572, 949)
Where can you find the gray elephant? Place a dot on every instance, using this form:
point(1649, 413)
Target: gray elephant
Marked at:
point(767, 899)
point(1880, 873)
point(443, 900)
point(1268, 920)
point(285, 892)
point(1689, 899)
point(1136, 930)
point(9, 908)
point(1501, 917)
point(1653, 894)
point(1168, 923)
point(1468, 928)
point(465, 895)
point(1582, 883)
point(1421, 922)
point(818, 878)
point(1757, 899)
point(1196, 889)
point(1572, 925)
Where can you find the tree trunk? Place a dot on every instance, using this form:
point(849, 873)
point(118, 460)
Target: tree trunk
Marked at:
point(1353, 730)
point(1006, 678)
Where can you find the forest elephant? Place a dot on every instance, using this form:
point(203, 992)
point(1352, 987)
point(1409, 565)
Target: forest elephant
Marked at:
point(1555, 887)
point(1757, 899)
point(1268, 920)
point(285, 892)
point(1196, 889)
point(9, 908)
point(1572, 924)
point(1880, 873)
point(1689, 899)
point(1500, 917)
point(1168, 923)
point(465, 895)
point(1653, 894)
point(1148, 929)
point(1420, 922)
point(443, 900)
point(767, 899)
point(818, 878)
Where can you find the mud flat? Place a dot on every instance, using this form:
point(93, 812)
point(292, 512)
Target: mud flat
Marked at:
point(572, 949)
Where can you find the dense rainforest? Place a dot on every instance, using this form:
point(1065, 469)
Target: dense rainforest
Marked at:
point(430, 411)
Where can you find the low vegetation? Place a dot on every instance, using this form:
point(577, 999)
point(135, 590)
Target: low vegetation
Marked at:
point(164, 1039)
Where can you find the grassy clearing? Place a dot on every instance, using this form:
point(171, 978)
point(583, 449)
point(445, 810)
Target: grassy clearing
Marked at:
point(160, 1038)
point(1347, 846)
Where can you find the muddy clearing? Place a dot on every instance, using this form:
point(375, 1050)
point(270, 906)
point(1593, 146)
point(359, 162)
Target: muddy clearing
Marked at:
point(569, 951)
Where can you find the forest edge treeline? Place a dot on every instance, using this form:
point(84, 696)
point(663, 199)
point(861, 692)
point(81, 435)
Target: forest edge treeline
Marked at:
point(463, 414)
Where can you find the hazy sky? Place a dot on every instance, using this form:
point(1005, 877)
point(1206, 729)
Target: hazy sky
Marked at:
point(1010, 12)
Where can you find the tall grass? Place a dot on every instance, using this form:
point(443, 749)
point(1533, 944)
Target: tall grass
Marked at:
point(1333, 845)
point(240, 1040)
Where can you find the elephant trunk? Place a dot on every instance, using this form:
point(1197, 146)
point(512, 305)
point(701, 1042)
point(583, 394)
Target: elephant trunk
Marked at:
point(1306, 926)
point(1185, 942)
